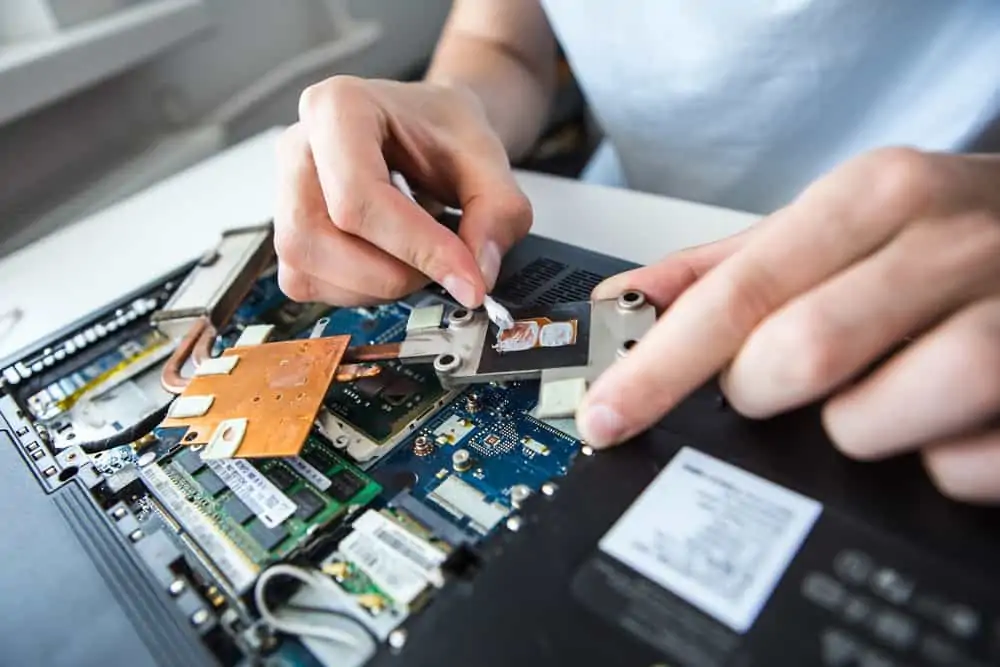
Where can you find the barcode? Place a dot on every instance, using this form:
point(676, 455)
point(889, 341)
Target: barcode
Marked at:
point(315, 477)
point(366, 556)
point(402, 546)
point(263, 498)
point(419, 553)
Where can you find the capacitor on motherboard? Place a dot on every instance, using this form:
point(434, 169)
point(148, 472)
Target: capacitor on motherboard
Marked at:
point(473, 402)
point(461, 460)
point(519, 493)
point(422, 446)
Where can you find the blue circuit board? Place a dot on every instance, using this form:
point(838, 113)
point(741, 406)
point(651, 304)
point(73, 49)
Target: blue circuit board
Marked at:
point(507, 445)
point(264, 297)
point(266, 303)
point(376, 324)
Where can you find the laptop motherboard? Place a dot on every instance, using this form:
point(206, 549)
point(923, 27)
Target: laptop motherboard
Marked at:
point(320, 557)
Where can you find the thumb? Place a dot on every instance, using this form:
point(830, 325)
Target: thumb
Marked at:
point(666, 280)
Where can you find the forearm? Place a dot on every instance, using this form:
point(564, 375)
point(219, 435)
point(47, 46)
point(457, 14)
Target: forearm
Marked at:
point(515, 81)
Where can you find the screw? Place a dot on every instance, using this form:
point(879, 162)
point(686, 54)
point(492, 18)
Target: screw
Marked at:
point(626, 347)
point(447, 362)
point(519, 493)
point(460, 316)
point(397, 638)
point(461, 460)
point(514, 524)
point(631, 300)
point(423, 446)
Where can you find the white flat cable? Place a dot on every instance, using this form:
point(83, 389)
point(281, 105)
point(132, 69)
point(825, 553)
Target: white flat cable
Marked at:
point(359, 639)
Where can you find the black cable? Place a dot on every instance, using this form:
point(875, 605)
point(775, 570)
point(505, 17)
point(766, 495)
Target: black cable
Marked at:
point(128, 435)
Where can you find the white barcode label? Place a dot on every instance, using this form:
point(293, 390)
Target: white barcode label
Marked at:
point(714, 534)
point(422, 555)
point(313, 476)
point(387, 569)
point(263, 498)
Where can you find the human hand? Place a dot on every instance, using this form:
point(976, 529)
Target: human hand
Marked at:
point(344, 235)
point(894, 246)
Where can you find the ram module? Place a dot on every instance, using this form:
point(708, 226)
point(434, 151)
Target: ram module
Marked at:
point(246, 515)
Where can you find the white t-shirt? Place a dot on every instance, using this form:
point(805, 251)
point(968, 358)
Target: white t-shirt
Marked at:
point(742, 103)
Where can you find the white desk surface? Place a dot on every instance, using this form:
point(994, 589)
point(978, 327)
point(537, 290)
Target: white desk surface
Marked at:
point(87, 265)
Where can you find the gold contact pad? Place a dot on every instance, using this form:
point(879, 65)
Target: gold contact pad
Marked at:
point(277, 387)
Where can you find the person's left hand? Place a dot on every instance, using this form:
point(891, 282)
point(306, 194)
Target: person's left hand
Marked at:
point(895, 247)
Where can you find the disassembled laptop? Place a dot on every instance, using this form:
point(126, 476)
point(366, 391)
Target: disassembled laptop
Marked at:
point(371, 446)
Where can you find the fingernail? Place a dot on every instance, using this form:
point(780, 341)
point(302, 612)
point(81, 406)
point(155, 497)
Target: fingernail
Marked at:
point(600, 425)
point(489, 263)
point(461, 289)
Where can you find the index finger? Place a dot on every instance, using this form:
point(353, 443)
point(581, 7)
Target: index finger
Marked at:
point(347, 131)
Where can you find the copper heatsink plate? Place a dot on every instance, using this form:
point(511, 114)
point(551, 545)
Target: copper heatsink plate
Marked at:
point(277, 387)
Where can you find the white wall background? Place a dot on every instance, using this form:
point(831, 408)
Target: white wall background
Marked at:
point(53, 155)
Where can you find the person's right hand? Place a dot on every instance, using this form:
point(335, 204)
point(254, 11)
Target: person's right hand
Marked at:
point(344, 235)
